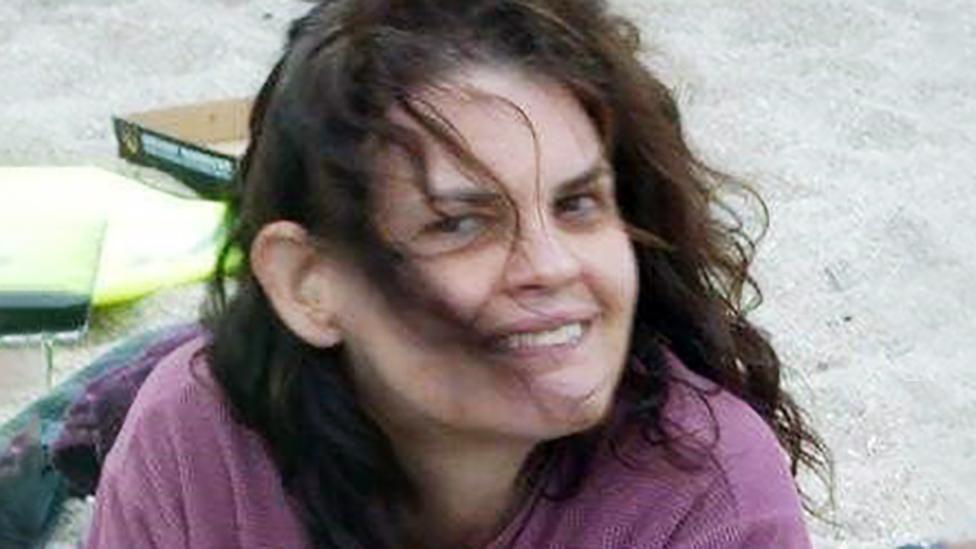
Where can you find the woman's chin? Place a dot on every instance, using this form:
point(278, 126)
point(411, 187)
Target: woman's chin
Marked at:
point(567, 403)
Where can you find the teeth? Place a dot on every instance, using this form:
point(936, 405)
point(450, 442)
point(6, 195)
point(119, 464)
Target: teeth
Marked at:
point(568, 333)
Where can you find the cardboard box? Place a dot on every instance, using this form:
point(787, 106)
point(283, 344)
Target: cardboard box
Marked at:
point(200, 144)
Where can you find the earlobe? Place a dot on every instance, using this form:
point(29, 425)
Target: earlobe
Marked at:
point(298, 281)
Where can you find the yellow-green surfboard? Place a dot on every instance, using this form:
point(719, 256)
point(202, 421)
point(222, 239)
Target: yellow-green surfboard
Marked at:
point(150, 239)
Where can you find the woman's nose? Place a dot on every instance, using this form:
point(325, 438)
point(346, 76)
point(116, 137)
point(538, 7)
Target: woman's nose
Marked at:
point(542, 259)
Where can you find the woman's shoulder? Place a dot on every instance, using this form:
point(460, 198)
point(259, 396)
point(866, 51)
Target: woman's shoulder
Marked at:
point(180, 414)
point(722, 481)
point(188, 472)
point(179, 383)
point(704, 414)
point(180, 409)
point(178, 404)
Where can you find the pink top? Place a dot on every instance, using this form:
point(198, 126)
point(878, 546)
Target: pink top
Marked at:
point(183, 473)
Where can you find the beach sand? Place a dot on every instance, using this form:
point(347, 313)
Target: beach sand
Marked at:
point(855, 120)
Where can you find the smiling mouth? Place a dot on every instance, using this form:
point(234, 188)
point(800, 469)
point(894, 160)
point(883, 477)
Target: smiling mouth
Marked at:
point(564, 336)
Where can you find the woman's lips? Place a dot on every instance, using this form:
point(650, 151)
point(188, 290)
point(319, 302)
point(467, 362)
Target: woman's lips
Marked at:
point(566, 334)
point(553, 344)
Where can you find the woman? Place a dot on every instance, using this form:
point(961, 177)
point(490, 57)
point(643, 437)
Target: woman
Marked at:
point(485, 303)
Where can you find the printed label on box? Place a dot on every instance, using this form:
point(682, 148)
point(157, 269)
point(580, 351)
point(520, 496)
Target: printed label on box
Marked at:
point(220, 168)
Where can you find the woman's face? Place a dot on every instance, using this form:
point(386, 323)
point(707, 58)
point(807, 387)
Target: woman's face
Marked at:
point(538, 266)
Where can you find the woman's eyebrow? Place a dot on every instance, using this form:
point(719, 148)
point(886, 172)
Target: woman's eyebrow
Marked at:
point(477, 197)
point(486, 197)
point(588, 177)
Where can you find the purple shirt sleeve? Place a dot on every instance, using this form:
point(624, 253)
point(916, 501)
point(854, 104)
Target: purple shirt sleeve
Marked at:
point(134, 507)
point(183, 473)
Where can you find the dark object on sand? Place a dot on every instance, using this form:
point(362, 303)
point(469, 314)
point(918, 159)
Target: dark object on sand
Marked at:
point(54, 449)
point(96, 416)
point(33, 493)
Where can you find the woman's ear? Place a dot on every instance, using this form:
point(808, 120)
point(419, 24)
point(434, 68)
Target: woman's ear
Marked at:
point(300, 283)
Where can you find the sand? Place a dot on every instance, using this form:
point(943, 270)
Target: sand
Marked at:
point(856, 121)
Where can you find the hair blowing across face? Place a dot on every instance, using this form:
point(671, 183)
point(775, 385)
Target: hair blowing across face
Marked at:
point(324, 108)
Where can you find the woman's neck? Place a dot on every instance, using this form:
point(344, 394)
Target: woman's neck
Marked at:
point(468, 490)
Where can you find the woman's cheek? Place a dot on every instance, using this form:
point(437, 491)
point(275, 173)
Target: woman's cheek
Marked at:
point(466, 283)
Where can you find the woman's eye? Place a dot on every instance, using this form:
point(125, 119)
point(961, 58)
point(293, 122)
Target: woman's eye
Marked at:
point(579, 206)
point(451, 233)
point(461, 225)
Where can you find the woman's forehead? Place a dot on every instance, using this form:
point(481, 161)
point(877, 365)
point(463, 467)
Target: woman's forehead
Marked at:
point(530, 132)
